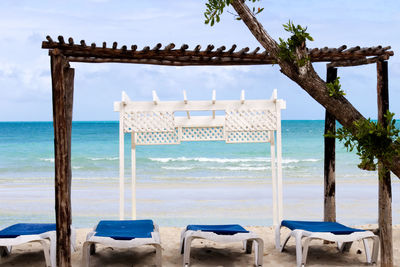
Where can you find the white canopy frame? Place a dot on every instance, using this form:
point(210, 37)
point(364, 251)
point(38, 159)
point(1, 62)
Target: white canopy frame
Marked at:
point(243, 121)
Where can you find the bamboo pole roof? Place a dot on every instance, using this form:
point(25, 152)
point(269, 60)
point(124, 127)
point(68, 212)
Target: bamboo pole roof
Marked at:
point(210, 56)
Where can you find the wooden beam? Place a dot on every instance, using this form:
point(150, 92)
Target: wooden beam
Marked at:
point(357, 62)
point(338, 56)
point(329, 159)
point(176, 61)
point(62, 91)
point(385, 187)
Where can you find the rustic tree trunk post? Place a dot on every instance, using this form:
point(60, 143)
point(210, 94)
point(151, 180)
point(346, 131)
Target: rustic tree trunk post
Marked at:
point(385, 187)
point(62, 84)
point(329, 159)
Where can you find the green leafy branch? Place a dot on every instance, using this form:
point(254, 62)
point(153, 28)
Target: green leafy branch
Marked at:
point(215, 8)
point(372, 141)
point(334, 88)
point(287, 49)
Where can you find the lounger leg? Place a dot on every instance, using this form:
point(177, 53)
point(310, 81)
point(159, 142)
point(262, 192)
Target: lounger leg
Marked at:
point(86, 254)
point(53, 249)
point(183, 233)
point(367, 250)
point(259, 251)
point(92, 249)
point(375, 250)
point(2, 253)
point(344, 246)
point(249, 246)
point(285, 242)
point(182, 245)
point(73, 239)
point(186, 252)
point(158, 255)
point(8, 250)
point(306, 245)
point(47, 252)
point(278, 238)
point(298, 235)
point(5, 251)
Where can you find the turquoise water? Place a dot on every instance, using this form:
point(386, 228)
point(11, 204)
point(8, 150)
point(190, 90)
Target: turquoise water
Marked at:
point(178, 184)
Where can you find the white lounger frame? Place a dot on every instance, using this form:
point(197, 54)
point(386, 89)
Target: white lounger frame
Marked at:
point(47, 240)
point(344, 243)
point(91, 241)
point(248, 239)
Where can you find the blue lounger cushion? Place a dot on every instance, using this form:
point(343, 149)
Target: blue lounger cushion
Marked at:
point(125, 229)
point(26, 229)
point(228, 229)
point(325, 227)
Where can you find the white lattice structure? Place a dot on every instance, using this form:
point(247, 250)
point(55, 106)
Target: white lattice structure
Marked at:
point(243, 121)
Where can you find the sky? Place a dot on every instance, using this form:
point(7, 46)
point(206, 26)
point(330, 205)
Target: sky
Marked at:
point(25, 81)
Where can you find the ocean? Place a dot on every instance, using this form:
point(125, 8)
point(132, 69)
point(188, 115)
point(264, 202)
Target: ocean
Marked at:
point(194, 182)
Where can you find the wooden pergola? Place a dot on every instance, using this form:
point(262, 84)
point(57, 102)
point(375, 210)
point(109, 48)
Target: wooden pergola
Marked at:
point(62, 52)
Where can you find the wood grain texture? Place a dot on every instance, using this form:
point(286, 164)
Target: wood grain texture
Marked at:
point(385, 187)
point(329, 159)
point(62, 91)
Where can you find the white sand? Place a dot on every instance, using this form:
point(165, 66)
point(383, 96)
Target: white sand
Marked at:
point(204, 253)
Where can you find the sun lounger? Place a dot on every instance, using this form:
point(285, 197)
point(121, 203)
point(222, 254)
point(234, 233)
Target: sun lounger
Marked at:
point(221, 233)
point(329, 231)
point(20, 233)
point(122, 234)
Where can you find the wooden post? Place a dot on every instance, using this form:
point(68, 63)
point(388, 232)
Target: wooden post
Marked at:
point(62, 89)
point(385, 187)
point(329, 159)
point(133, 170)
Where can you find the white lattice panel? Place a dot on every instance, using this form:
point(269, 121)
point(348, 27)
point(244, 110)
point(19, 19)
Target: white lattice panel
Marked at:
point(202, 133)
point(157, 138)
point(247, 137)
point(250, 120)
point(149, 121)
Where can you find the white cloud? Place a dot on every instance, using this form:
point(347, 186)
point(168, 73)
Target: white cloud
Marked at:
point(7, 69)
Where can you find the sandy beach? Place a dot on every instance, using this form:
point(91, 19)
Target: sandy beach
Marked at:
point(204, 253)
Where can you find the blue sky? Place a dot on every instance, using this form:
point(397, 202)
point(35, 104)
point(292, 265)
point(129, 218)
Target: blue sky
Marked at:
point(25, 83)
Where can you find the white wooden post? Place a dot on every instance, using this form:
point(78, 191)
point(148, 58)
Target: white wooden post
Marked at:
point(133, 167)
point(213, 101)
point(274, 184)
point(279, 160)
point(155, 98)
point(121, 164)
point(185, 101)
